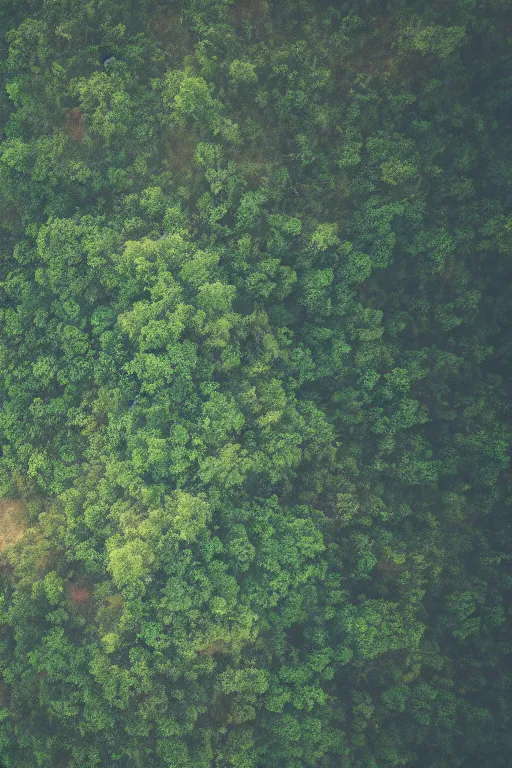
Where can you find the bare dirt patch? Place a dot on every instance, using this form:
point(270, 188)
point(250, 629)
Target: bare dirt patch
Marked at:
point(13, 522)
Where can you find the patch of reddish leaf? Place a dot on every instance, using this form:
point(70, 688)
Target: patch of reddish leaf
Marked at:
point(79, 594)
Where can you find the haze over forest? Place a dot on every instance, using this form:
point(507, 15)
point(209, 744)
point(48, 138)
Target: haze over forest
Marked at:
point(255, 358)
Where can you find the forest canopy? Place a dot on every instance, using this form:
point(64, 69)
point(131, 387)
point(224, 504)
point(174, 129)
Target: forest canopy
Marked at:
point(255, 346)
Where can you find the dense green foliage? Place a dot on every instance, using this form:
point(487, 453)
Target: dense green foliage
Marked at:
point(255, 340)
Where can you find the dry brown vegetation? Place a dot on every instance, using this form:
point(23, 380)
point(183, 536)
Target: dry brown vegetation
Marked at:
point(13, 522)
point(247, 10)
point(218, 646)
point(74, 124)
point(173, 37)
point(181, 149)
point(9, 218)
